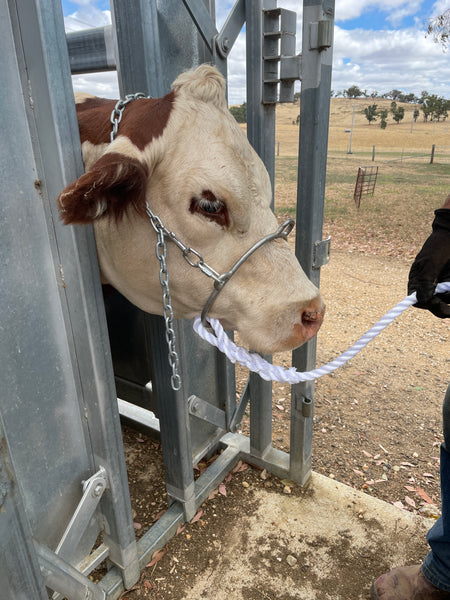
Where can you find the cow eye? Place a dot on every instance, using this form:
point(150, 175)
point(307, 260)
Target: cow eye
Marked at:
point(211, 207)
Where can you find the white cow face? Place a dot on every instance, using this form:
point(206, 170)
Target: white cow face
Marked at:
point(186, 156)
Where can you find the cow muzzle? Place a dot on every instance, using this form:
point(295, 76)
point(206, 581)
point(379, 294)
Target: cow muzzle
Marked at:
point(311, 318)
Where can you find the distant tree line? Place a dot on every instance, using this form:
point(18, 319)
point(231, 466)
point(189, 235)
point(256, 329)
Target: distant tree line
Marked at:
point(397, 95)
point(434, 108)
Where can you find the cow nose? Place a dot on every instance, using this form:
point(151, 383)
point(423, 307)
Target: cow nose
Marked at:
point(308, 323)
point(311, 321)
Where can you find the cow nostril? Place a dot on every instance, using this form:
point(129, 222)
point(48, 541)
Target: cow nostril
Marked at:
point(312, 320)
point(309, 316)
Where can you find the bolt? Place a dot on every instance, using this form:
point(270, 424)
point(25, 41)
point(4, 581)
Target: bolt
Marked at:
point(225, 45)
point(98, 489)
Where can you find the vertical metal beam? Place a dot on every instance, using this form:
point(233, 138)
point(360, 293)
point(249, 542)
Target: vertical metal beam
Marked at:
point(20, 574)
point(179, 48)
point(72, 365)
point(318, 15)
point(261, 135)
point(139, 60)
point(173, 420)
point(260, 117)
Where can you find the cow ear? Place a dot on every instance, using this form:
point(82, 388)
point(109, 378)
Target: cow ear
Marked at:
point(113, 185)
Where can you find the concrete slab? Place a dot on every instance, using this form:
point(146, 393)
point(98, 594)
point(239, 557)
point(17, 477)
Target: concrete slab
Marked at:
point(326, 544)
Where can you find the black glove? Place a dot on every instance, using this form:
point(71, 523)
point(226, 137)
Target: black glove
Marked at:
point(431, 266)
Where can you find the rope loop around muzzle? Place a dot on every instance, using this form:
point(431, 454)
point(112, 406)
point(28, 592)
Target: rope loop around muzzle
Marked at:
point(254, 362)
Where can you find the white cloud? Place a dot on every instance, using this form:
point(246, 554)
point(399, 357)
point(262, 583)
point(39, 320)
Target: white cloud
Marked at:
point(402, 59)
point(395, 9)
point(439, 7)
point(88, 16)
point(374, 60)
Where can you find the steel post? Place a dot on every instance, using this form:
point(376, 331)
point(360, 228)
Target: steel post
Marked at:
point(313, 139)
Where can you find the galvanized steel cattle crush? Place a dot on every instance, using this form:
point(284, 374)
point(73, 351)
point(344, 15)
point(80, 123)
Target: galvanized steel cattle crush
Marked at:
point(185, 160)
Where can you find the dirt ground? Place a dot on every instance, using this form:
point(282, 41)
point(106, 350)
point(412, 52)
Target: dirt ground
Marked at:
point(377, 429)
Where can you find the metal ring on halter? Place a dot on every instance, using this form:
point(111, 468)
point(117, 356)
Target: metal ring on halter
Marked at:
point(282, 232)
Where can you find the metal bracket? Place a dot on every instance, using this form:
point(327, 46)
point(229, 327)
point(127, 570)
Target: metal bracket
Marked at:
point(321, 35)
point(227, 36)
point(207, 412)
point(321, 253)
point(60, 575)
point(93, 489)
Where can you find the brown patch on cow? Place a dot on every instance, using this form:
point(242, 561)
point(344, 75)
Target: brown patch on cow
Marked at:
point(114, 185)
point(142, 121)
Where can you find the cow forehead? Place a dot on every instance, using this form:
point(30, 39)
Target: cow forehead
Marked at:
point(205, 144)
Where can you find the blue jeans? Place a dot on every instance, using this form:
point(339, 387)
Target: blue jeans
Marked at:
point(436, 566)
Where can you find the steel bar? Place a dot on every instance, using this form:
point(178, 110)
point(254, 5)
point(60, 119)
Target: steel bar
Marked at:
point(313, 139)
point(91, 50)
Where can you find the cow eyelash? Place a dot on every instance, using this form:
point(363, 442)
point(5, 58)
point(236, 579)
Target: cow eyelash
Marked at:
point(211, 208)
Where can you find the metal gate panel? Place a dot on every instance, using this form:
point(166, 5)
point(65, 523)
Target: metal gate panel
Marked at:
point(206, 372)
point(58, 398)
point(58, 401)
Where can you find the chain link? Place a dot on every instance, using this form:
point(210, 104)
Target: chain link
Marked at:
point(116, 115)
point(161, 252)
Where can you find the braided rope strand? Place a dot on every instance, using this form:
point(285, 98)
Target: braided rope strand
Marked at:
point(267, 371)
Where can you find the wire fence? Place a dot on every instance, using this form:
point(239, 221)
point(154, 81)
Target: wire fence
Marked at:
point(436, 155)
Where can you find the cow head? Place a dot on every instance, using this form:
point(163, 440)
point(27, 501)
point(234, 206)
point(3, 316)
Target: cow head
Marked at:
point(187, 157)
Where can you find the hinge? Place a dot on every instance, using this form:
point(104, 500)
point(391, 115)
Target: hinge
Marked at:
point(207, 412)
point(93, 489)
point(321, 253)
point(320, 34)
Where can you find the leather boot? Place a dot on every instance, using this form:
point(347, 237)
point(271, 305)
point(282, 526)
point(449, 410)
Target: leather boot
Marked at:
point(406, 583)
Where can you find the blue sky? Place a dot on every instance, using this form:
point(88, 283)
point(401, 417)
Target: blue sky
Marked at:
point(379, 45)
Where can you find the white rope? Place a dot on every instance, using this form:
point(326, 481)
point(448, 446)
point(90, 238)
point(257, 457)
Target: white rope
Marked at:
point(267, 371)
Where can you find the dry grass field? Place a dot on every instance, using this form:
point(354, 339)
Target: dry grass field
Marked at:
point(397, 218)
point(412, 137)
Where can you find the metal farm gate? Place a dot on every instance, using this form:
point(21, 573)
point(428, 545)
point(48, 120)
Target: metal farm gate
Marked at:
point(64, 500)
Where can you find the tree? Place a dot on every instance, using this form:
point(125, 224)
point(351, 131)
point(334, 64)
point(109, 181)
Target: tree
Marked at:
point(383, 114)
point(435, 107)
point(398, 112)
point(439, 29)
point(371, 113)
point(416, 114)
point(239, 113)
point(407, 98)
point(394, 94)
point(353, 92)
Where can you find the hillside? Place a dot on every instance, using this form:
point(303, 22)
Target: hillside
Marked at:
point(416, 137)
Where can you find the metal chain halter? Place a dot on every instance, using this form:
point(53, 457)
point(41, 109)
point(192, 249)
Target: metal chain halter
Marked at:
point(116, 115)
point(161, 253)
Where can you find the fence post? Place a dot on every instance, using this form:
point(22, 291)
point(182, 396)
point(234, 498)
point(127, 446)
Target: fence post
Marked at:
point(432, 153)
point(373, 153)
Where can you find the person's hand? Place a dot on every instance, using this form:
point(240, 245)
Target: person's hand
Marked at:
point(431, 266)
